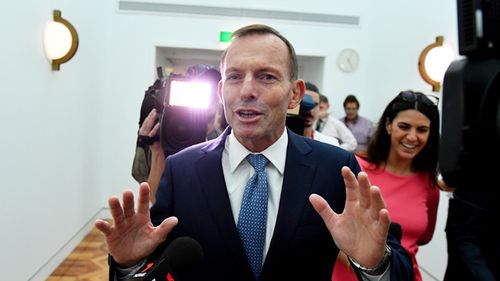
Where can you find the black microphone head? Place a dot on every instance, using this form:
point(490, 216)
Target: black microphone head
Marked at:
point(184, 254)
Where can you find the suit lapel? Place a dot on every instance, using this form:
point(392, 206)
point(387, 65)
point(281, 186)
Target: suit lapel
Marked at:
point(209, 168)
point(297, 182)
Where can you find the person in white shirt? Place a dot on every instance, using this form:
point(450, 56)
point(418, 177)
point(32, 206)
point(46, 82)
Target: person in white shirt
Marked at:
point(331, 126)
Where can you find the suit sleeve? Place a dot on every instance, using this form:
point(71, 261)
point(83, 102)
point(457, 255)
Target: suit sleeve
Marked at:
point(401, 264)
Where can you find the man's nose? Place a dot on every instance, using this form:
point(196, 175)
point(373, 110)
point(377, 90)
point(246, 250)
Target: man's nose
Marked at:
point(248, 88)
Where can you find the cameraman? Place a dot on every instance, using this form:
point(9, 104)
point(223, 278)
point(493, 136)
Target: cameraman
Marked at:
point(151, 128)
point(310, 117)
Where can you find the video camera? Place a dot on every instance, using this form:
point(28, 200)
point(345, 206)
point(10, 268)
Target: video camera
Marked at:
point(471, 98)
point(295, 117)
point(183, 104)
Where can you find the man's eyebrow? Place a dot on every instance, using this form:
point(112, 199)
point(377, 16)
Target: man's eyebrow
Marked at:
point(231, 69)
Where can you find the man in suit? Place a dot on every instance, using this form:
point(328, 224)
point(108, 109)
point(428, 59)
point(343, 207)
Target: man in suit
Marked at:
point(202, 188)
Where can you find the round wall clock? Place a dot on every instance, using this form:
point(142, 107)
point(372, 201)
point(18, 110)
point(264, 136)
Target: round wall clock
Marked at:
point(348, 60)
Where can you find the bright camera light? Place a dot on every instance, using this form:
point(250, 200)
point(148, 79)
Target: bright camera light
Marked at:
point(190, 94)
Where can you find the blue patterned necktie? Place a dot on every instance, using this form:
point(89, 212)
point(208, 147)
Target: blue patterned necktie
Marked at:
point(253, 213)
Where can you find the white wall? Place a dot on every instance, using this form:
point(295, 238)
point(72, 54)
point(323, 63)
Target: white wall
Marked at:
point(68, 136)
point(51, 135)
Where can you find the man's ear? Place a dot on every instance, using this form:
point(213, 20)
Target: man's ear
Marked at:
point(298, 91)
point(219, 92)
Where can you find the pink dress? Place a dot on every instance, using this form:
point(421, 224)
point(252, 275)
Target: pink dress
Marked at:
point(411, 202)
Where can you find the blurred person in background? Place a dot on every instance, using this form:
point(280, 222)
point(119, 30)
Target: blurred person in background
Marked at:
point(329, 125)
point(311, 118)
point(362, 128)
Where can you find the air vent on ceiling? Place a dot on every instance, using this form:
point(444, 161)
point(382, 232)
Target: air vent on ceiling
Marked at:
point(236, 12)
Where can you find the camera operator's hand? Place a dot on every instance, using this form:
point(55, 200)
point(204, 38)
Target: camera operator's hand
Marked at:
point(151, 126)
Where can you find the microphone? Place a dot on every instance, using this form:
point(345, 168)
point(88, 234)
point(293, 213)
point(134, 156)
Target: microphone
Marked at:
point(183, 255)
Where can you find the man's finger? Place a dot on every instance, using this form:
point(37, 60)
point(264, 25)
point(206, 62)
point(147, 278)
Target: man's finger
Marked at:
point(364, 190)
point(116, 210)
point(155, 130)
point(322, 208)
point(166, 227)
point(103, 226)
point(128, 204)
point(377, 201)
point(351, 184)
point(143, 203)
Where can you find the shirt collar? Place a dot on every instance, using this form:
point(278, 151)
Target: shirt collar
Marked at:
point(276, 153)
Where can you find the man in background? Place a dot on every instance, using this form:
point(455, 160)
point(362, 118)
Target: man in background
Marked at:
point(362, 128)
point(311, 117)
point(331, 126)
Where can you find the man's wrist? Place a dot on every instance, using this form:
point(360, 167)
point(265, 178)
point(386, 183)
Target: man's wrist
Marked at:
point(127, 271)
point(377, 269)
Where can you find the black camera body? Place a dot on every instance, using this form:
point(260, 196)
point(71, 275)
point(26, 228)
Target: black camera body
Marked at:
point(471, 98)
point(153, 99)
point(295, 117)
point(181, 124)
point(183, 103)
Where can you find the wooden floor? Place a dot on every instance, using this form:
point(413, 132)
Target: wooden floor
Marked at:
point(87, 262)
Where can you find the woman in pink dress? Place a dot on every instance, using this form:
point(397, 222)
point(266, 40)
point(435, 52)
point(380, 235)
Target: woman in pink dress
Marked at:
point(402, 160)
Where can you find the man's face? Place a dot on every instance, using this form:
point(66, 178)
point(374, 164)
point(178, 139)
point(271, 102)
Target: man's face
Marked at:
point(312, 115)
point(323, 109)
point(256, 89)
point(351, 110)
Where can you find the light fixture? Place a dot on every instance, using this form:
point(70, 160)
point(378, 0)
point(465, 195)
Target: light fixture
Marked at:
point(433, 62)
point(60, 40)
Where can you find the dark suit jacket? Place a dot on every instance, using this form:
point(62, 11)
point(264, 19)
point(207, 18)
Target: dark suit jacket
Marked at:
point(193, 189)
point(473, 248)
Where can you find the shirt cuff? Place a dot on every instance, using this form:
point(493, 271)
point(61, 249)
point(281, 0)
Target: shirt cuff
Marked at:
point(128, 272)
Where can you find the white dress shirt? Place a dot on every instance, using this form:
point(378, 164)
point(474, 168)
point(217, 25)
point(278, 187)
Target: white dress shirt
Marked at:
point(326, 139)
point(237, 171)
point(335, 128)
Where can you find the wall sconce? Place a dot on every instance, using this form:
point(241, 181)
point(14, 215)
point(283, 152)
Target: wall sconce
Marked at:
point(60, 40)
point(433, 62)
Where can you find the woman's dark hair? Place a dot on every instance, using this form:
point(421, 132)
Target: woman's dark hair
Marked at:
point(380, 144)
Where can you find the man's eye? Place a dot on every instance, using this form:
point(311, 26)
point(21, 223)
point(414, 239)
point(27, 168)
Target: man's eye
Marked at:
point(267, 77)
point(232, 77)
